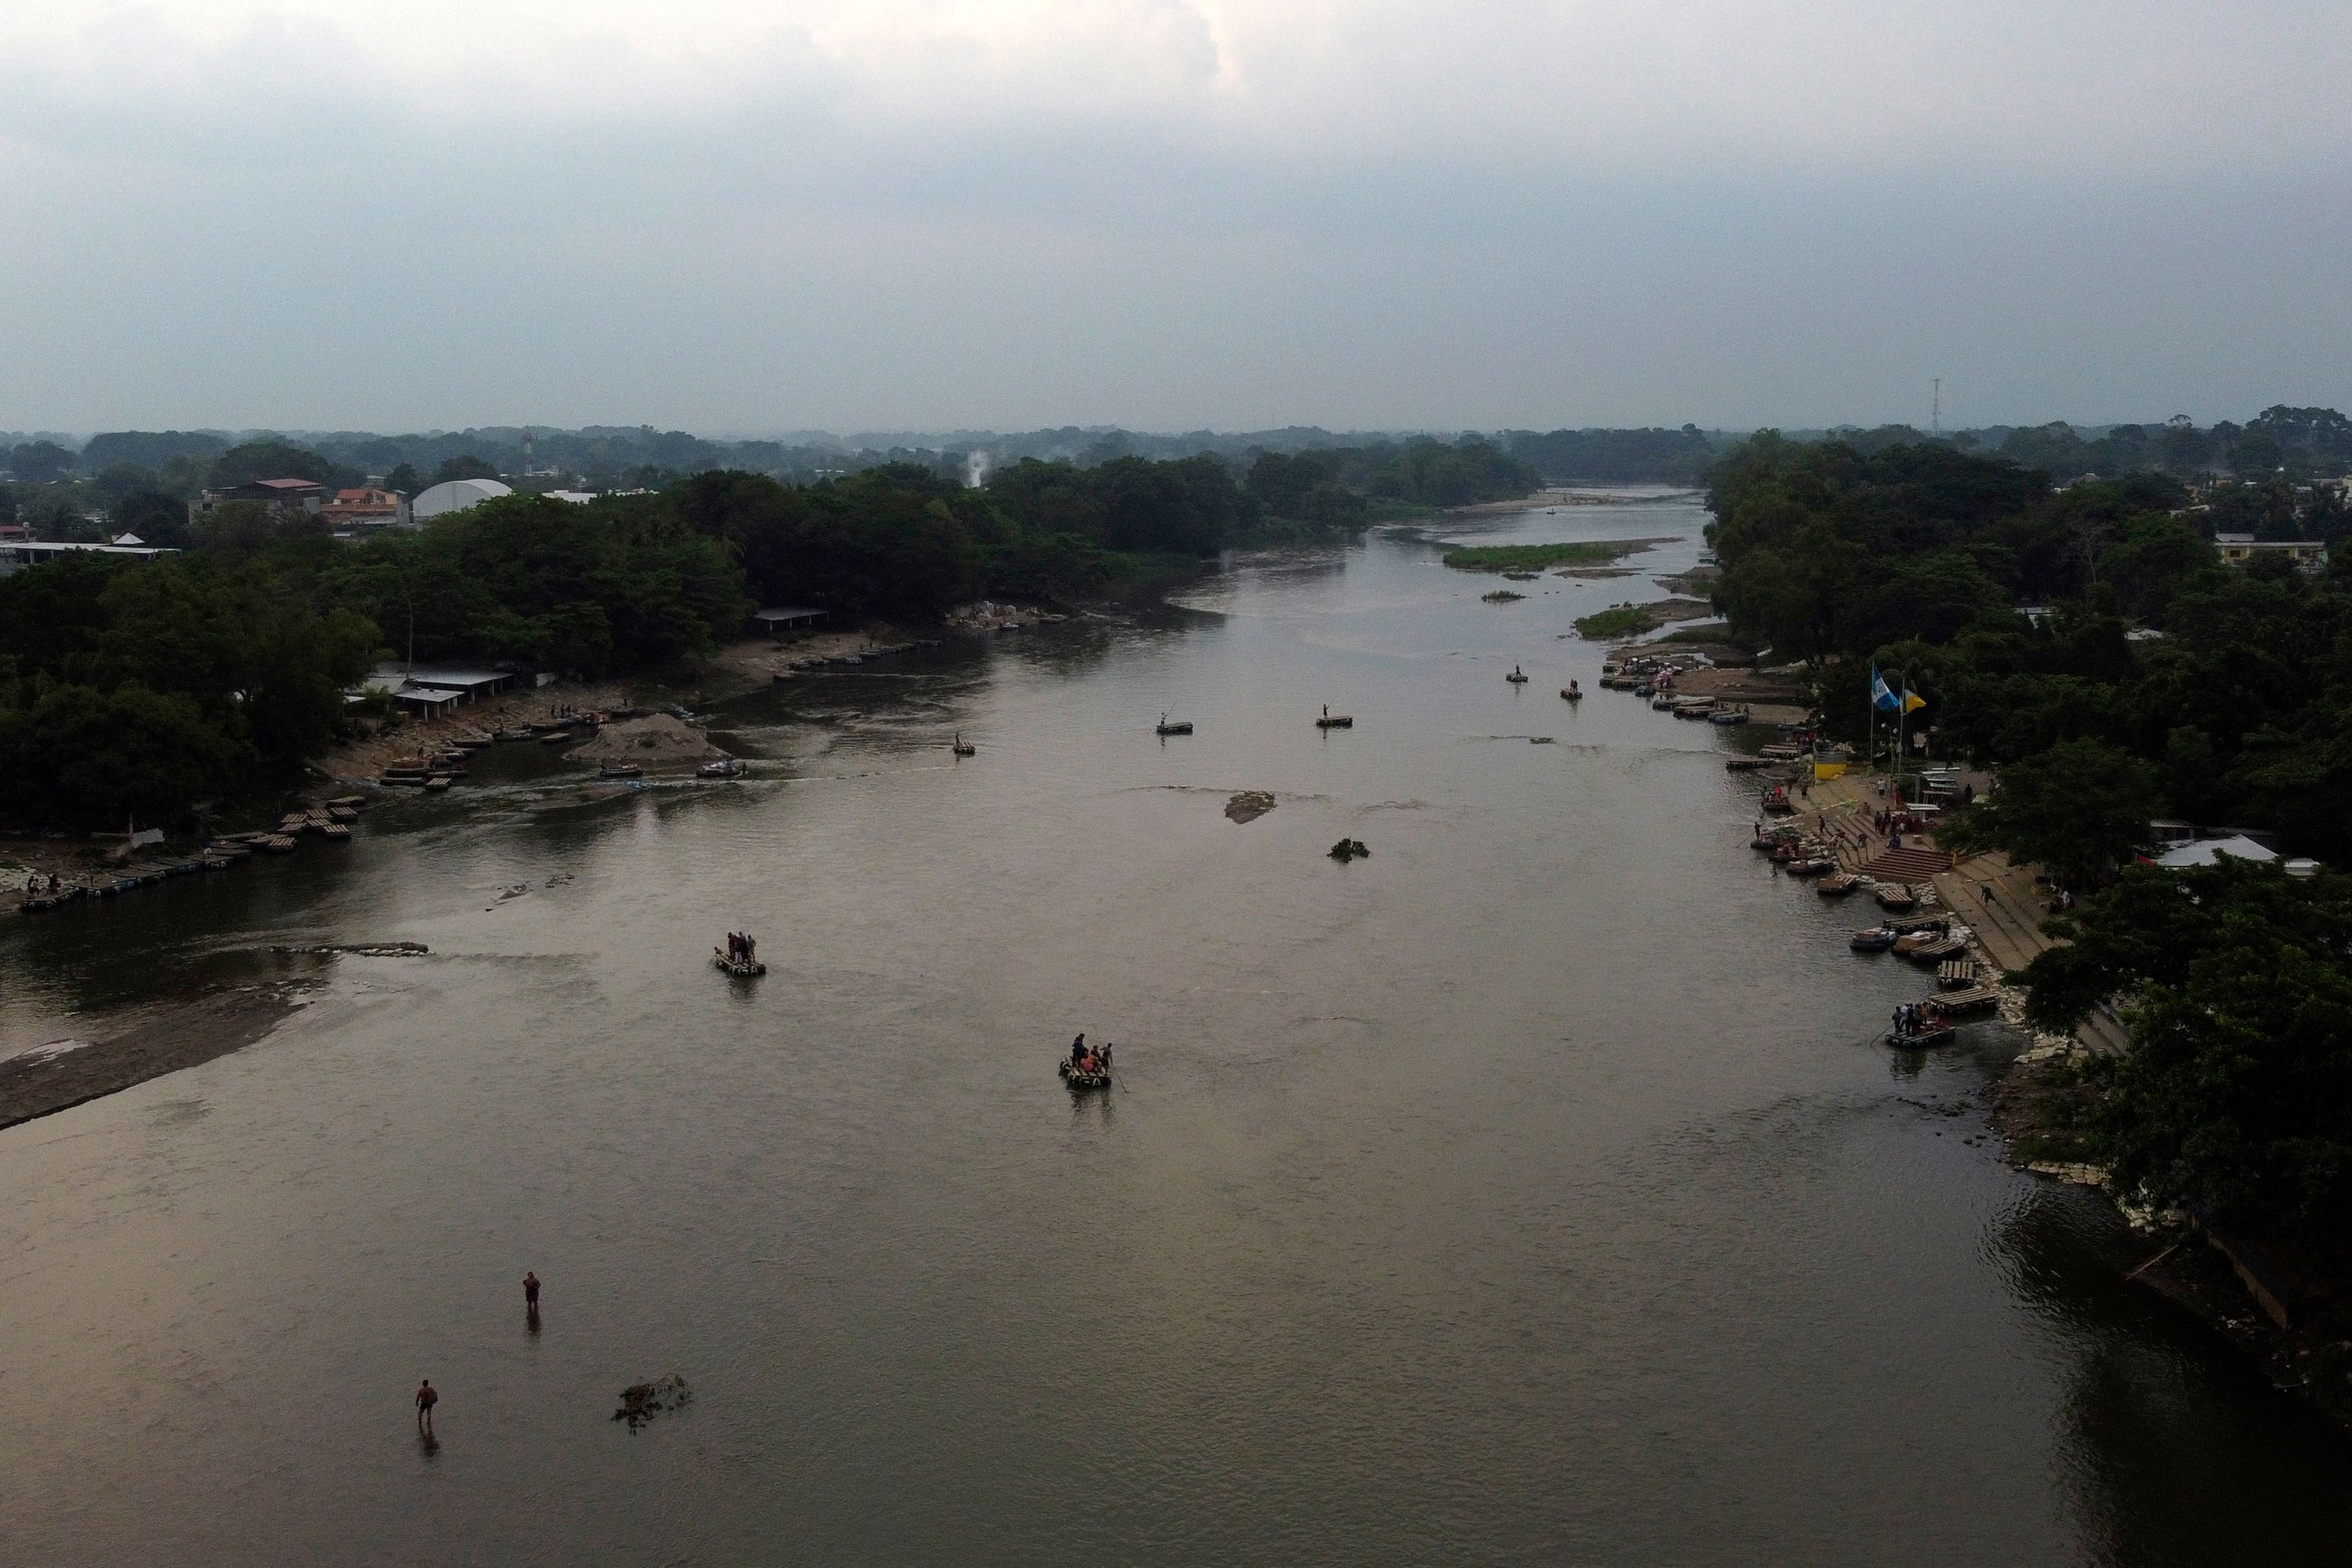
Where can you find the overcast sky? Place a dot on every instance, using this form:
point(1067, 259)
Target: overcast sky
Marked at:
point(738, 217)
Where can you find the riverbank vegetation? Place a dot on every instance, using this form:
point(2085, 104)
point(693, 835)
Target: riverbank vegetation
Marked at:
point(127, 693)
point(1617, 621)
point(2147, 678)
point(2235, 1095)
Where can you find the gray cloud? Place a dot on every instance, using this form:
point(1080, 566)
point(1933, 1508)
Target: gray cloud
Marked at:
point(1170, 214)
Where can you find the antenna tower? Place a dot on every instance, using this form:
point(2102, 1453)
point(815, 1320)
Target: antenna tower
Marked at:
point(1936, 410)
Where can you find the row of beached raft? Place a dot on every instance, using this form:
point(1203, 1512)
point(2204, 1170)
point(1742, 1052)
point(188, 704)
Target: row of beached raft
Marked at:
point(328, 820)
point(1924, 937)
point(434, 768)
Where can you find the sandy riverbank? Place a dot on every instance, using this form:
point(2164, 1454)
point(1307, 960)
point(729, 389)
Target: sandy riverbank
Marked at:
point(44, 1081)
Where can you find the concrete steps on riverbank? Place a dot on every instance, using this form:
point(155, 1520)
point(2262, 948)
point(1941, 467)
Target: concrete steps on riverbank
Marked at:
point(1997, 901)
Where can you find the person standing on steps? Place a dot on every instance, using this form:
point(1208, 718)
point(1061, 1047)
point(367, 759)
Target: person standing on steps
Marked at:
point(426, 1398)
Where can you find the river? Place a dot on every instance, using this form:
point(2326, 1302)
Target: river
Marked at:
point(1532, 1191)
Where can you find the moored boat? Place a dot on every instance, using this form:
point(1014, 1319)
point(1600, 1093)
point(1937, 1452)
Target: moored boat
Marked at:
point(1896, 899)
point(620, 771)
point(1878, 939)
point(1837, 884)
point(724, 768)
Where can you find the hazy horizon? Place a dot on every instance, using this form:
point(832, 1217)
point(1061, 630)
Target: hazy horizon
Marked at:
point(1169, 215)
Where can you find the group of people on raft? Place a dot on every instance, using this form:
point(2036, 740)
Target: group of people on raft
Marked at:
point(1911, 1018)
point(742, 948)
point(1087, 1062)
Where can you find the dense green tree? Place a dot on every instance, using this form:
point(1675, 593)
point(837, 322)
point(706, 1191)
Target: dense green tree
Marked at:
point(464, 466)
point(159, 519)
point(90, 759)
point(52, 513)
point(2237, 1090)
point(41, 462)
point(117, 480)
point(270, 460)
point(2080, 807)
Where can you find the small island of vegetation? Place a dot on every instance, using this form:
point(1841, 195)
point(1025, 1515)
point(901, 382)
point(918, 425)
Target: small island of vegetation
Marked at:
point(1510, 559)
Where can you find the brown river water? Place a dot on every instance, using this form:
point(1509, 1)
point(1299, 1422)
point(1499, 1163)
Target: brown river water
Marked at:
point(1533, 1191)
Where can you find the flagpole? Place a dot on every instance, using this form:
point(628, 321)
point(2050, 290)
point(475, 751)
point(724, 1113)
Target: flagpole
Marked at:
point(1902, 722)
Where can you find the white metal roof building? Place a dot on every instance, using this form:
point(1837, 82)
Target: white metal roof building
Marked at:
point(455, 495)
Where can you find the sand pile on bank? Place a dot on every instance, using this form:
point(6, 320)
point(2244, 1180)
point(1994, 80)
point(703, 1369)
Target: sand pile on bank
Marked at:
point(656, 741)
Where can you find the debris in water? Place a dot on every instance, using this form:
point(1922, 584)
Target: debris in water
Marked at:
point(641, 1401)
point(1348, 850)
point(1249, 805)
point(364, 948)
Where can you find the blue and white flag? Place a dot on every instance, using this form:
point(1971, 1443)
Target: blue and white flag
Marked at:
point(1880, 697)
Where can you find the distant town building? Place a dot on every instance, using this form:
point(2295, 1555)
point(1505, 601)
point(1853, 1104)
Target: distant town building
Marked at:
point(285, 496)
point(778, 620)
point(2237, 548)
point(455, 495)
point(367, 508)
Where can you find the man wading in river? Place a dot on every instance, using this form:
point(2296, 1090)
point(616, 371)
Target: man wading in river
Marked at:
point(425, 1400)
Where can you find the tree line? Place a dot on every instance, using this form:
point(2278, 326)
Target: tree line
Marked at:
point(135, 689)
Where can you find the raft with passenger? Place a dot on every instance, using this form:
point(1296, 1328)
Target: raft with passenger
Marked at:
point(739, 956)
point(1085, 1069)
